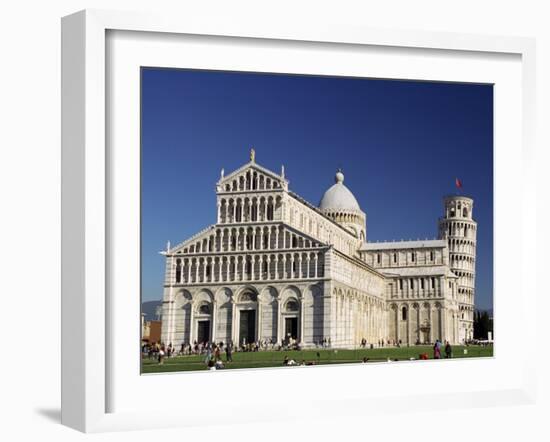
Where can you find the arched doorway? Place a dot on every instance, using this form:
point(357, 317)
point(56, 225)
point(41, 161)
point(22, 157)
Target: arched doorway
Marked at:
point(291, 313)
point(247, 321)
point(204, 322)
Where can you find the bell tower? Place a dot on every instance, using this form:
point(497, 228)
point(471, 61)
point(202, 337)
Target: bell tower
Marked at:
point(459, 229)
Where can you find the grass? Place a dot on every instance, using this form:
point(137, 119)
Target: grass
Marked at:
point(326, 356)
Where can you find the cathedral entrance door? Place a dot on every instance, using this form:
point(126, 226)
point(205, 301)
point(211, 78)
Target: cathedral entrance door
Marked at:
point(247, 326)
point(203, 332)
point(426, 336)
point(291, 328)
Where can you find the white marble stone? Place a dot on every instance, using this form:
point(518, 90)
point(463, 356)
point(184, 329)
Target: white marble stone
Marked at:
point(286, 266)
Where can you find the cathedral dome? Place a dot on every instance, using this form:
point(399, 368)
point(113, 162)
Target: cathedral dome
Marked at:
point(338, 196)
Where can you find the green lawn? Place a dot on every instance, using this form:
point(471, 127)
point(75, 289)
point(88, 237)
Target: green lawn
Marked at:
point(275, 358)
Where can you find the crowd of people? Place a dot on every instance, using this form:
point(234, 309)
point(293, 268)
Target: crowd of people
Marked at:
point(213, 352)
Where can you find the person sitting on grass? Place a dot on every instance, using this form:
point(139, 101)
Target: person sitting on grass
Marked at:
point(288, 362)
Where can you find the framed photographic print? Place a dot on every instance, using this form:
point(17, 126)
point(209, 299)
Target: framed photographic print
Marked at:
point(312, 216)
point(271, 279)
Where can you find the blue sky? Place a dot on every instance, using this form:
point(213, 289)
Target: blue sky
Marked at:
point(400, 144)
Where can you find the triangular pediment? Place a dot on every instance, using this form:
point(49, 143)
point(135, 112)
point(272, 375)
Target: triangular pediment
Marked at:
point(192, 241)
point(198, 243)
point(252, 167)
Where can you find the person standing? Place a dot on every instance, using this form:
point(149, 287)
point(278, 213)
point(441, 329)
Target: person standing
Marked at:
point(437, 349)
point(208, 356)
point(448, 350)
point(228, 352)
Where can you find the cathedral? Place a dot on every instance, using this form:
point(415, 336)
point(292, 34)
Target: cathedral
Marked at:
point(275, 267)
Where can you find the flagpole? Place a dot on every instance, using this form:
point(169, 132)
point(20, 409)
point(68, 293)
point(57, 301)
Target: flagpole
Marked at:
point(458, 185)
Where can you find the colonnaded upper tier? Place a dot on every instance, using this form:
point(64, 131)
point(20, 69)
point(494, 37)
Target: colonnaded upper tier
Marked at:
point(275, 268)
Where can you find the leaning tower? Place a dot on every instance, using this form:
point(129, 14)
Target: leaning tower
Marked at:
point(459, 229)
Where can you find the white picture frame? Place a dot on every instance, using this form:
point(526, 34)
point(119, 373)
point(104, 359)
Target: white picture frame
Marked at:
point(87, 318)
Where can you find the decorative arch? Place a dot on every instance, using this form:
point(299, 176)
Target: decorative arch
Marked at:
point(204, 308)
point(223, 295)
point(204, 295)
point(292, 305)
point(183, 297)
point(268, 295)
point(290, 291)
point(247, 294)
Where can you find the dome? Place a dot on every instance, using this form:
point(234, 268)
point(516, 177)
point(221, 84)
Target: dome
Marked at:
point(339, 196)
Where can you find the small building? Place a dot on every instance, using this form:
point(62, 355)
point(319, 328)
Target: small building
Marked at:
point(150, 331)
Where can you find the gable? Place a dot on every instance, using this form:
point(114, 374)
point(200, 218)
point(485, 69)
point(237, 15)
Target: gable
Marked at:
point(198, 238)
point(207, 240)
point(251, 176)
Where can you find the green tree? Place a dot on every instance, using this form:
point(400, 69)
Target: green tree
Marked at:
point(483, 324)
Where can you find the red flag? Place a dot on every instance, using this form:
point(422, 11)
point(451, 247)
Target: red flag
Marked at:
point(458, 183)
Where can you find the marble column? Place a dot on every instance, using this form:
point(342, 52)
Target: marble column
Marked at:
point(443, 331)
point(315, 265)
point(397, 325)
point(409, 340)
point(261, 269)
point(191, 324)
point(214, 321)
point(302, 319)
point(279, 320)
point(430, 318)
point(234, 322)
point(259, 320)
